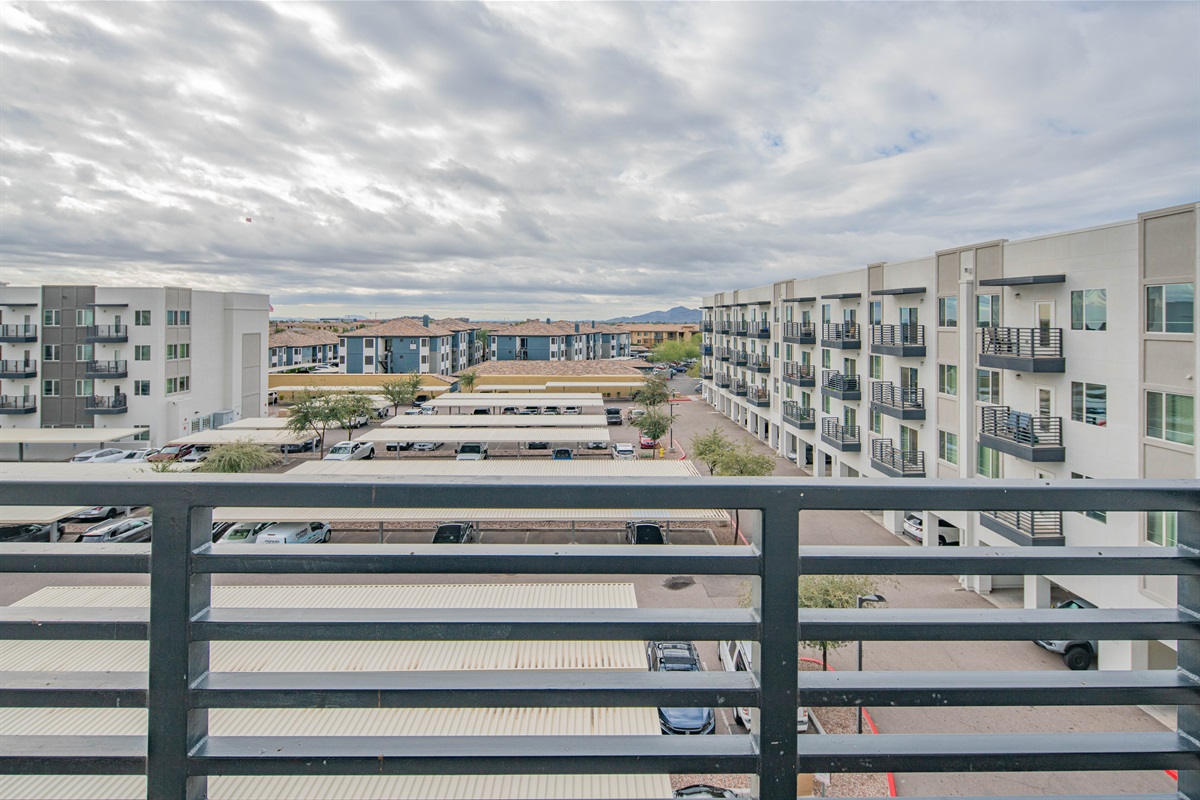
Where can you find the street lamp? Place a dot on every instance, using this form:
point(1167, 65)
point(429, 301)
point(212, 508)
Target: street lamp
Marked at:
point(866, 598)
point(671, 430)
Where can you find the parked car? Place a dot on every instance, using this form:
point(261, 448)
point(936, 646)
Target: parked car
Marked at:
point(914, 526)
point(704, 791)
point(471, 451)
point(426, 410)
point(538, 445)
point(306, 446)
point(680, 657)
point(394, 446)
point(99, 512)
point(529, 410)
point(572, 410)
point(644, 533)
point(272, 398)
point(29, 532)
point(551, 410)
point(1076, 653)
point(359, 421)
point(382, 412)
point(130, 529)
point(245, 532)
point(646, 443)
point(172, 452)
point(295, 533)
point(737, 656)
point(636, 413)
point(482, 411)
point(426, 447)
point(198, 454)
point(139, 455)
point(108, 455)
point(623, 451)
point(350, 451)
point(411, 412)
point(562, 454)
point(613, 415)
point(510, 410)
point(456, 533)
point(597, 445)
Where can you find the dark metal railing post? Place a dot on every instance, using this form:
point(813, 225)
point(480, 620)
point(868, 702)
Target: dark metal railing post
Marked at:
point(177, 594)
point(776, 654)
point(1188, 594)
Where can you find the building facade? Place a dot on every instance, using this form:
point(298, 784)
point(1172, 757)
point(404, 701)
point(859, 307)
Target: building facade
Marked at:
point(1071, 355)
point(558, 341)
point(410, 345)
point(171, 360)
point(300, 347)
point(652, 334)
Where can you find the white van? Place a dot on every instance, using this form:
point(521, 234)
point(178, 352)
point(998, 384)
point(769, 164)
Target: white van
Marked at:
point(471, 451)
point(736, 657)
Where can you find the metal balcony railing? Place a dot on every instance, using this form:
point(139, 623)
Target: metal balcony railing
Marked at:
point(799, 374)
point(1020, 434)
point(841, 333)
point(897, 463)
point(706, 349)
point(900, 397)
point(107, 369)
point(107, 333)
point(18, 333)
point(741, 328)
point(757, 395)
point(1021, 342)
point(739, 387)
point(178, 751)
point(839, 382)
point(762, 330)
point(898, 334)
point(741, 358)
point(107, 404)
point(723, 353)
point(723, 380)
point(18, 403)
point(758, 363)
point(18, 368)
point(1036, 524)
point(832, 429)
point(706, 372)
point(723, 326)
point(800, 332)
point(706, 326)
point(798, 415)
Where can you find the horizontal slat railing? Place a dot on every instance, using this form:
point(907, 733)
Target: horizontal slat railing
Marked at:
point(179, 688)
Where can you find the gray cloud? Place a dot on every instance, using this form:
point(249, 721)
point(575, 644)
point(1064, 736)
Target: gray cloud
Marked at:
point(581, 160)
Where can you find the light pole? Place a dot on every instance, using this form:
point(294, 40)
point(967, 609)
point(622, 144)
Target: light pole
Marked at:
point(671, 429)
point(866, 598)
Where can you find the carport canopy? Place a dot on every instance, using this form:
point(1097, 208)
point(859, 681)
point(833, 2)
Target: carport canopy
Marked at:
point(497, 421)
point(491, 436)
point(250, 514)
point(264, 437)
point(497, 467)
point(493, 399)
point(96, 436)
point(36, 515)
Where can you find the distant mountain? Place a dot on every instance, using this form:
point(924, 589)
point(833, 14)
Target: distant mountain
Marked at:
point(676, 314)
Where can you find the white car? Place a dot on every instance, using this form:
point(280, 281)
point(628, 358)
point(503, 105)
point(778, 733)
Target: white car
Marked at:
point(350, 451)
point(200, 453)
point(426, 447)
point(572, 410)
point(623, 451)
point(138, 455)
point(245, 532)
point(411, 412)
point(295, 533)
point(360, 421)
point(106, 456)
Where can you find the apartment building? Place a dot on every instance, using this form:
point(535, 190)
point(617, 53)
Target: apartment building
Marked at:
point(652, 334)
point(300, 347)
point(559, 341)
point(1071, 355)
point(170, 360)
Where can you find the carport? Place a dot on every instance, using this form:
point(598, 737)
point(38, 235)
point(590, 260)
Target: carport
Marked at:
point(38, 515)
point(498, 421)
point(459, 400)
point(491, 435)
point(90, 436)
point(268, 438)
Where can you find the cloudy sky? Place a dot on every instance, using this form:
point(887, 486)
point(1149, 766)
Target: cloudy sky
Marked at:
point(570, 160)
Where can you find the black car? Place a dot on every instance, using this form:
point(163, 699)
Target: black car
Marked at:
point(680, 657)
point(614, 415)
point(456, 533)
point(704, 790)
point(538, 445)
point(644, 533)
point(25, 533)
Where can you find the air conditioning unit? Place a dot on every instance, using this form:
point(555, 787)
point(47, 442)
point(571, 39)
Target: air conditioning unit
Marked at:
point(220, 418)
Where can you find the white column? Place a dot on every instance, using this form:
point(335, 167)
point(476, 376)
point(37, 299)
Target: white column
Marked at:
point(1037, 591)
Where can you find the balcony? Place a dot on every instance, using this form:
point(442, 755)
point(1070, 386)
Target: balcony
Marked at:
point(706, 349)
point(842, 387)
point(112, 404)
point(799, 333)
point(106, 370)
point(723, 380)
point(724, 326)
point(18, 333)
point(16, 369)
point(741, 328)
point(839, 436)
point(706, 326)
point(799, 417)
point(1027, 528)
point(1022, 349)
point(799, 374)
point(841, 335)
point(897, 463)
point(898, 340)
point(758, 396)
point(740, 387)
point(740, 358)
point(723, 353)
point(177, 750)
point(1022, 435)
point(107, 334)
point(759, 364)
point(901, 402)
point(18, 404)
point(706, 373)
point(762, 330)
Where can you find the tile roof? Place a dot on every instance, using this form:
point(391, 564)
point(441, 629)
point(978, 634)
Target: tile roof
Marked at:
point(404, 326)
point(301, 337)
point(452, 324)
point(562, 368)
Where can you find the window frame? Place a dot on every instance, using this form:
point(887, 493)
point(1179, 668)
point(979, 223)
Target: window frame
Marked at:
point(995, 397)
point(948, 311)
point(1080, 410)
point(944, 382)
point(1165, 318)
point(141, 319)
point(1081, 301)
point(947, 449)
point(1163, 433)
point(51, 317)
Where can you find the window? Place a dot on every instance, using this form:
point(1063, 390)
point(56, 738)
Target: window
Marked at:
point(777, 349)
point(877, 368)
point(185, 350)
point(141, 319)
point(948, 312)
point(1162, 527)
point(876, 421)
point(85, 317)
point(987, 386)
point(908, 440)
point(144, 435)
point(826, 359)
point(948, 447)
point(987, 311)
point(172, 352)
point(1170, 308)
point(85, 352)
point(1089, 403)
point(141, 388)
point(1171, 417)
point(825, 406)
point(172, 385)
point(988, 465)
point(948, 379)
point(1099, 516)
point(84, 388)
point(185, 317)
point(52, 317)
point(1089, 310)
point(172, 317)
point(51, 352)
point(875, 313)
point(141, 352)
point(850, 417)
point(825, 312)
point(369, 361)
point(185, 382)
point(295, 352)
point(50, 388)
point(908, 377)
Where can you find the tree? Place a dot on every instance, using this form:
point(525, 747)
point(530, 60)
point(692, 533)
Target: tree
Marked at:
point(320, 411)
point(741, 460)
point(709, 448)
point(653, 393)
point(239, 457)
point(654, 423)
point(675, 350)
point(401, 391)
point(834, 591)
point(468, 379)
point(349, 407)
point(483, 336)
